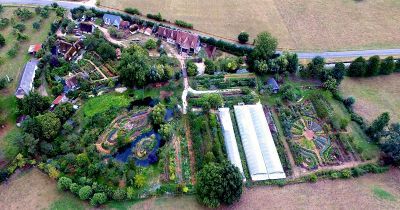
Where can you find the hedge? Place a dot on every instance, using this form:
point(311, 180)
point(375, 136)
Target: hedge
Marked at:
point(133, 11)
point(184, 24)
point(227, 46)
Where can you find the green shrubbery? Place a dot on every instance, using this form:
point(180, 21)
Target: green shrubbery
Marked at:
point(183, 24)
point(132, 11)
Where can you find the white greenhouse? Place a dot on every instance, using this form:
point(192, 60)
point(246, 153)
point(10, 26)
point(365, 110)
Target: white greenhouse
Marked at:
point(261, 154)
point(230, 140)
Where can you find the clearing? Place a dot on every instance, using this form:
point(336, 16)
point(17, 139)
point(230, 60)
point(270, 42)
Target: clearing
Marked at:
point(299, 24)
point(374, 95)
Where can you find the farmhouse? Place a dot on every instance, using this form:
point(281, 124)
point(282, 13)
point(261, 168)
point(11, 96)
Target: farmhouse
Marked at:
point(230, 139)
point(261, 154)
point(185, 41)
point(25, 84)
point(69, 50)
point(112, 20)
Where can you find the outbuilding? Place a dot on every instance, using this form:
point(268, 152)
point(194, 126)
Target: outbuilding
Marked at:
point(271, 82)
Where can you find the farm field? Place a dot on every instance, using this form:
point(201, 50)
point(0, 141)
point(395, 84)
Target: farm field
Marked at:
point(378, 191)
point(373, 191)
point(299, 24)
point(374, 95)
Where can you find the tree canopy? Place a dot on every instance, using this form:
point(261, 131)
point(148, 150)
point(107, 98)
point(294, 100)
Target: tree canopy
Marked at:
point(218, 183)
point(134, 67)
point(243, 37)
point(264, 46)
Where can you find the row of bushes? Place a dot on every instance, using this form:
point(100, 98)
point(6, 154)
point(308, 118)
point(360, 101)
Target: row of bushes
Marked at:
point(227, 46)
point(183, 24)
point(157, 17)
point(132, 11)
point(221, 83)
point(373, 66)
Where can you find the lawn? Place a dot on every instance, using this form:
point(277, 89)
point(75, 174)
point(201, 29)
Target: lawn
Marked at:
point(374, 95)
point(103, 103)
point(298, 24)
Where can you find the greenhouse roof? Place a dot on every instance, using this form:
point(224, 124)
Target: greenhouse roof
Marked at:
point(261, 154)
point(230, 139)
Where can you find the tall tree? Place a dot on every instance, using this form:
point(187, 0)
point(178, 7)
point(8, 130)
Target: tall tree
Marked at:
point(134, 68)
point(219, 183)
point(33, 104)
point(293, 61)
point(264, 46)
point(388, 65)
point(316, 66)
point(373, 66)
point(339, 71)
point(391, 145)
point(357, 68)
point(377, 126)
point(158, 114)
point(49, 125)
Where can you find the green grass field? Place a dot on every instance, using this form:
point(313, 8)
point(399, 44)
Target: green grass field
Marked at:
point(104, 102)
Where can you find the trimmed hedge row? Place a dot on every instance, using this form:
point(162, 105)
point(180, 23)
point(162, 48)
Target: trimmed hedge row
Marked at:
point(183, 24)
point(227, 46)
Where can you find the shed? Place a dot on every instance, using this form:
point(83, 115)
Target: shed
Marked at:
point(86, 27)
point(271, 82)
point(33, 49)
point(25, 84)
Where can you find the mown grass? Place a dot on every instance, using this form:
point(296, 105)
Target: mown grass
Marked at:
point(383, 194)
point(104, 102)
point(67, 202)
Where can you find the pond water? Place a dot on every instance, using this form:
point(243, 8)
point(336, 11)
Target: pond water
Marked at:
point(124, 153)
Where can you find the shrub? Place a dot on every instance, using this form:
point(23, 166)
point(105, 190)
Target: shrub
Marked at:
point(64, 183)
point(183, 24)
point(85, 192)
point(4, 23)
point(358, 67)
point(334, 175)
point(20, 27)
point(348, 102)
point(2, 40)
point(356, 172)
point(36, 26)
point(150, 44)
point(74, 188)
point(130, 193)
point(23, 14)
point(387, 65)
point(133, 11)
point(313, 178)
point(191, 68)
point(157, 17)
point(227, 46)
point(98, 199)
point(346, 173)
point(243, 37)
point(119, 194)
point(343, 123)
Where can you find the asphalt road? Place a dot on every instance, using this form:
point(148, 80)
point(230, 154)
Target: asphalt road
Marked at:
point(301, 55)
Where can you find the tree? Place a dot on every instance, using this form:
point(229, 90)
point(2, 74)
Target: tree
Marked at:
point(119, 194)
point(2, 40)
point(140, 180)
point(44, 13)
point(243, 37)
point(158, 113)
point(64, 183)
point(261, 67)
point(150, 44)
point(36, 26)
point(134, 67)
point(387, 65)
point(28, 144)
point(391, 145)
point(64, 111)
point(293, 61)
point(216, 184)
point(210, 67)
point(165, 131)
point(264, 46)
point(106, 51)
point(373, 66)
point(377, 126)
point(98, 199)
point(330, 84)
point(33, 104)
point(348, 102)
point(398, 65)
point(338, 72)
point(191, 68)
point(49, 125)
point(1, 8)
point(20, 27)
point(316, 67)
point(85, 192)
point(357, 68)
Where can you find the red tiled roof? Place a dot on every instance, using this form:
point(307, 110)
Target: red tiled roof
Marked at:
point(71, 82)
point(124, 24)
point(58, 100)
point(37, 47)
point(185, 39)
